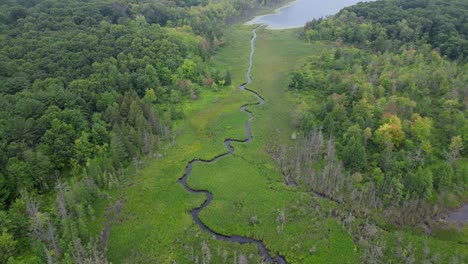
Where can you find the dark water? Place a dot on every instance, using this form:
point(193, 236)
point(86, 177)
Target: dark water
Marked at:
point(459, 216)
point(299, 12)
point(267, 256)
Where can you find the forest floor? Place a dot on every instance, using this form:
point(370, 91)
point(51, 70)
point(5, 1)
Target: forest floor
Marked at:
point(250, 195)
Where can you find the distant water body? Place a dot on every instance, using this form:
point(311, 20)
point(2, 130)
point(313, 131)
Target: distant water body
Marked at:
point(297, 13)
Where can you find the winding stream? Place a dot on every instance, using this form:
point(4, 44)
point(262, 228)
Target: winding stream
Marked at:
point(264, 252)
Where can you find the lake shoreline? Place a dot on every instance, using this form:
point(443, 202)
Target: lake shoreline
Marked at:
point(297, 13)
point(275, 12)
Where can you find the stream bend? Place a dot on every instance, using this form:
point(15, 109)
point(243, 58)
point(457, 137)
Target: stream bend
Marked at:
point(264, 252)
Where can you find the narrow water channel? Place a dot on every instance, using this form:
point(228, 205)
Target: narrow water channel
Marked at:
point(264, 252)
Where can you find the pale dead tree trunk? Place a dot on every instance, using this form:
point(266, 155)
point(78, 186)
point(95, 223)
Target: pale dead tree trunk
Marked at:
point(225, 256)
point(61, 199)
point(52, 238)
point(328, 170)
point(410, 258)
point(455, 260)
point(298, 170)
point(206, 253)
point(90, 255)
point(316, 144)
point(147, 142)
point(427, 252)
point(327, 173)
point(348, 221)
point(78, 253)
point(314, 179)
point(282, 157)
point(281, 219)
point(372, 200)
point(331, 151)
point(33, 211)
point(374, 253)
point(50, 260)
point(388, 157)
point(153, 121)
point(302, 151)
point(307, 175)
point(243, 259)
point(357, 197)
point(192, 254)
point(163, 132)
point(435, 258)
point(452, 157)
point(337, 181)
point(42, 228)
point(96, 257)
point(136, 163)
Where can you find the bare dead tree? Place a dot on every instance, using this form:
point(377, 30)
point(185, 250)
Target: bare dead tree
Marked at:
point(61, 199)
point(206, 253)
point(52, 238)
point(87, 255)
point(147, 142)
point(281, 220)
point(225, 255)
point(37, 226)
point(243, 260)
point(41, 226)
point(79, 253)
point(50, 260)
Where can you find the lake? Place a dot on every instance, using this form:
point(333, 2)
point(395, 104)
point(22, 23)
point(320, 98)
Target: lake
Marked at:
point(297, 13)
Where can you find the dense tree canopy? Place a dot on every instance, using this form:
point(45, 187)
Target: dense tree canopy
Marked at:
point(394, 106)
point(389, 24)
point(403, 100)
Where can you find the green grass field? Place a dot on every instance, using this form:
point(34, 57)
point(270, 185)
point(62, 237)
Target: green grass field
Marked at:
point(249, 191)
point(156, 225)
point(155, 222)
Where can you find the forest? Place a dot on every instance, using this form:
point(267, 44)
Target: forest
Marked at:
point(88, 88)
point(358, 153)
point(389, 25)
point(385, 125)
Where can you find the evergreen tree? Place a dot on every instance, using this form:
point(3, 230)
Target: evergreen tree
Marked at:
point(354, 155)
